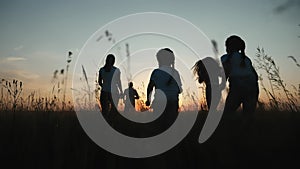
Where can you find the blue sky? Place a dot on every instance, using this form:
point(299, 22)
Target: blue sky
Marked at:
point(36, 35)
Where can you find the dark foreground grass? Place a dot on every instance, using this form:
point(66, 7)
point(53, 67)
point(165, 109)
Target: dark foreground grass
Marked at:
point(56, 140)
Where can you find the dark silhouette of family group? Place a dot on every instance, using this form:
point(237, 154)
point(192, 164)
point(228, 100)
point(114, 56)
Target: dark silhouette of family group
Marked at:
point(237, 67)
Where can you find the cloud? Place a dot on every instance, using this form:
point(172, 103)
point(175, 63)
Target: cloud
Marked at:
point(13, 59)
point(27, 75)
point(32, 81)
point(19, 48)
point(22, 74)
point(286, 6)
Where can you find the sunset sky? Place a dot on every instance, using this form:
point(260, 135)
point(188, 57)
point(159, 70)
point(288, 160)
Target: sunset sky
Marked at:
point(35, 36)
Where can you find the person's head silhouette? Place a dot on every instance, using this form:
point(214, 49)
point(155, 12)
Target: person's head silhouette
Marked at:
point(109, 62)
point(130, 84)
point(165, 57)
point(235, 43)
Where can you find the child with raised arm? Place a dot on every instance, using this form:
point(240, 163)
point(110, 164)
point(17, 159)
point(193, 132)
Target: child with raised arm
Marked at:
point(165, 79)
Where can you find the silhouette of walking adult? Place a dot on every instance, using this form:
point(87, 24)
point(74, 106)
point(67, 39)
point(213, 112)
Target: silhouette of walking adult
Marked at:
point(111, 88)
point(130, 94)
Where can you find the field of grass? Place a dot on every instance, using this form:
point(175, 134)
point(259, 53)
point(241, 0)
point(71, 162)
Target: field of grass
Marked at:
point(44, 132)
point(56, 140)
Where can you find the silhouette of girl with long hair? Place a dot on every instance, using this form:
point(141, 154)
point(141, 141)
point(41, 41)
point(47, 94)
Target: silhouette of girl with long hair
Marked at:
point(111, 88)
point(242, 77)
point(211, 80)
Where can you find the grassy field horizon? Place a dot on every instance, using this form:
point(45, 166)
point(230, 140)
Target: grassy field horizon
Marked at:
point(56, 140)
point(51, 54)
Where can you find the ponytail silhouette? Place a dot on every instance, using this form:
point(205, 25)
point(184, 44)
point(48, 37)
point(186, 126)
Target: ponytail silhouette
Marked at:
point(235, 44)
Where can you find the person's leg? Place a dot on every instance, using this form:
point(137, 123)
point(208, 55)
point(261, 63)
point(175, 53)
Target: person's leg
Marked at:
point(171, 113)
point(208, 95)
point(250, 102)
point(249, 105)
point(245, 128)
point(173, 159)
point(232, 103)
point(126, 106)
point(113, 100)
point(104, 103)
point(250, 98)
point(216, 96)
point(229, 118)
point(226, 131)
point(132, 105)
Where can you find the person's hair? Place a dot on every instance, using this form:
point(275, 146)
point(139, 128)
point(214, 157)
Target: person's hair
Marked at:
point(130, 84)
point(166, 57)
point(236, 44)
point(199, 69)
point(109, 62)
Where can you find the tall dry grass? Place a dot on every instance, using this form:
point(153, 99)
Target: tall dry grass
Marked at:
point(13, 98)
point(10, 93)
point(280, 95)
point(277, 86)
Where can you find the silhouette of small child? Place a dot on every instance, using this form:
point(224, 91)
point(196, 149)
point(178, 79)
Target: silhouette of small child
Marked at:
point(243, 81)
point(130, 94)
point(211, 80)
point(242, 77)
point(166, 79)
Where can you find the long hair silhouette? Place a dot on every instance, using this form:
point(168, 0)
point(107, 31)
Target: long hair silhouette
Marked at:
point(109, 62)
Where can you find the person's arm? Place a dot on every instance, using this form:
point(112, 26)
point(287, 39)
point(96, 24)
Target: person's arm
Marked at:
point(149, 90)
point(136, 95)
point(119, 81)
point(226, 66)
point(179, 84)
point(100, 78)
point(226, 69)
point(223, 78)
point(125, 94)
point(253, 70)
point(255, 73)
point(178, 81)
